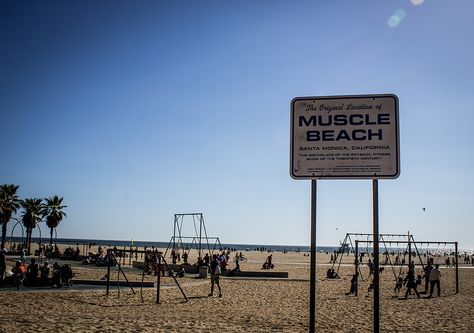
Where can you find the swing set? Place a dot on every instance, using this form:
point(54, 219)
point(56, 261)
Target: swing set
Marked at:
point(409, 251)
point(347, 246)
point(179, 242)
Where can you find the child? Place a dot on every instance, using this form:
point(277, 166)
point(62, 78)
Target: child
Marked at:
point(353, 284)
point(371, 287)
point(398, 284)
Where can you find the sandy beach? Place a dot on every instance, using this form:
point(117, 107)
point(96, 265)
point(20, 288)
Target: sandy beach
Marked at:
point(252, 305)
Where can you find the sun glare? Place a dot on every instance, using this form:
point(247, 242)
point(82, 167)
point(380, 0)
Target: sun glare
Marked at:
point(396, 18)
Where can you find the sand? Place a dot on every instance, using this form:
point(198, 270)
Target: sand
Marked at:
point(246, 305)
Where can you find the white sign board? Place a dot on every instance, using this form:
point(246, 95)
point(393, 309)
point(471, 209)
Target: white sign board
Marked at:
point(340, 137)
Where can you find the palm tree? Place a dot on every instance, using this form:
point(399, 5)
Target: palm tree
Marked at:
point(9, 204)
point(54, 213)
point(34, 211)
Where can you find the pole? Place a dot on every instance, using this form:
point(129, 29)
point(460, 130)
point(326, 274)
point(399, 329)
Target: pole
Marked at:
point(312, 282)
point(417, 253)
point(457, 267)
point(158, 279)
point(174, 278)
point(375, 190)
point(356, 263)
point(410, 266)
point(174, 231)
point(108, 272)
point(200, 235)
point(120, 270)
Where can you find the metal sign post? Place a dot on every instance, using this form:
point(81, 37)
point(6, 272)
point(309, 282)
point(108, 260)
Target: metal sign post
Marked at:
point(312, 281)
point(375, 220)
point(345, 137)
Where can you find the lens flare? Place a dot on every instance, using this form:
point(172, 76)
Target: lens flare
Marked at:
point(400, 13)
point(396, 18)
point(417, 2)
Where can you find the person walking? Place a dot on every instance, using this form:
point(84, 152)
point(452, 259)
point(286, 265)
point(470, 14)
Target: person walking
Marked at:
point(215, 274)
point(435, 276)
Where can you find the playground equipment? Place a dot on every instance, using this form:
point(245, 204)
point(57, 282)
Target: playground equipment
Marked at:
point(348, 247)
point(155, 257)
point(409, 251)
point(185, 243)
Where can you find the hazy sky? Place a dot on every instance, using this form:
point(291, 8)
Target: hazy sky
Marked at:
point(136, 110)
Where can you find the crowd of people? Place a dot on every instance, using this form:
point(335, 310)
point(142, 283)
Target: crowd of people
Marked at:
point(35, 274)
point(431, 277)
point(215, 264)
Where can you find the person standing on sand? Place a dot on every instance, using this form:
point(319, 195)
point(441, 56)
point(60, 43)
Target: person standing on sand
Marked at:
point(215, 274)
point(426, 275)
point(435, 275)
point(353, 284)
point(411, 283)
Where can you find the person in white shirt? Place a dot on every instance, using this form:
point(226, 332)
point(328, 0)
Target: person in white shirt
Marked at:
point(435, 275)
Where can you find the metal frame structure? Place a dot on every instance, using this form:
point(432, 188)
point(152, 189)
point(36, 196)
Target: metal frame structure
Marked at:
point(409, 243)
point(348, 241)
point(23, 238)
point(18, 222)
point(176, 241)
point(111, 258)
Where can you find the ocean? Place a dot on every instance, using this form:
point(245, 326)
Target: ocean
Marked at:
point(121, 243)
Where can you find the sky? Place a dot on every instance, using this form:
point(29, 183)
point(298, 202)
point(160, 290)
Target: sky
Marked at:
point(134, 111)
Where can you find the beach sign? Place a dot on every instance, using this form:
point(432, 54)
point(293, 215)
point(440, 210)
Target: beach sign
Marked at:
point(345, 137)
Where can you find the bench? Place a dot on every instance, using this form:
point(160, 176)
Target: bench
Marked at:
point(122, 283)
point(264, 274)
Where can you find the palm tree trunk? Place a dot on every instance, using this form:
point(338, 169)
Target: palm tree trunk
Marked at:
point(28, 239)
point(4, 234)
point(51, 239)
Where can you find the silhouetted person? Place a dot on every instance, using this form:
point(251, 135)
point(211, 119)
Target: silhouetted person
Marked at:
point(235, 271)
point(448, 262)
point(76, 253)
point(173, 256)
point(411, 283)
point(56, 278)
point(371, 267)
point(19, 272)
point(32, 273)
point(426, 275)
point(215, 274)
point(206, 260)
point(435, 275)
point(398, 284)
point(353, 284)
point(44, 273)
